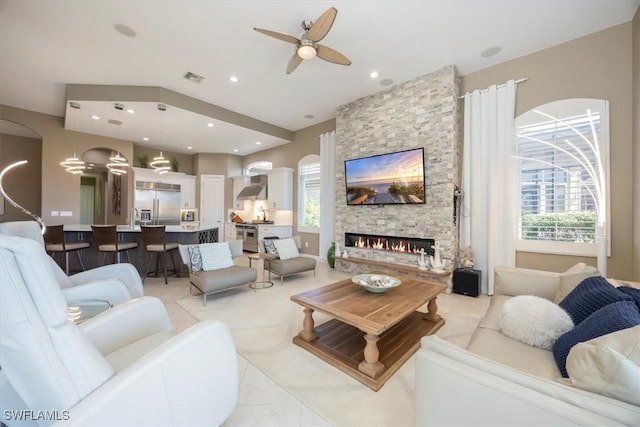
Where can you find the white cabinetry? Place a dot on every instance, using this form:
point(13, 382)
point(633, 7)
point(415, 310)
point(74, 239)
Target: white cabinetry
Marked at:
point(229, 232)
point(280, 231)
point(144, 174)
point(239, 182)
point(280, 189)
point(188, 192)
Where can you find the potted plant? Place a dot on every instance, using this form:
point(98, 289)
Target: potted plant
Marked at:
point(144, 160)
point(175, 164)
point(331, 255)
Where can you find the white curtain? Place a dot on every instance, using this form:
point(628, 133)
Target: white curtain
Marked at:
point(487, 220)
point(327, 191)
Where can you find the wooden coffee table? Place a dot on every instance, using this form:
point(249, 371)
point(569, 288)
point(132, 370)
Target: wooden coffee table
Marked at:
point(371, 335)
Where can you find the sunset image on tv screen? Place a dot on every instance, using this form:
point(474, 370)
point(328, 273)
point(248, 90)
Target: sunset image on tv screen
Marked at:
point(394, 178)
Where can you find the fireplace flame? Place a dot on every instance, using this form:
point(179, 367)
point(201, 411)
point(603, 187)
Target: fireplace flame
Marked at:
point(383, 244)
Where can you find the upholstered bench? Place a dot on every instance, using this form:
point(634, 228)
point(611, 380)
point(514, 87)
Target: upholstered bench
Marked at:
point(209, 282)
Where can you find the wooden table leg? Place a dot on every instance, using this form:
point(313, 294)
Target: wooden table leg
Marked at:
point(307, 333)
point(371, 365)
point(432, 311)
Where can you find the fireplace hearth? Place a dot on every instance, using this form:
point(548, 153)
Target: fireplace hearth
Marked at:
point(408, 245)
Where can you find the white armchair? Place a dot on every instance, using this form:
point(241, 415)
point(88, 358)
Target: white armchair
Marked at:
point(123, 367)
point(115, 283)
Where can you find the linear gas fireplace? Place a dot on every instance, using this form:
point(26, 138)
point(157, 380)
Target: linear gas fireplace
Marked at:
point(408, 245)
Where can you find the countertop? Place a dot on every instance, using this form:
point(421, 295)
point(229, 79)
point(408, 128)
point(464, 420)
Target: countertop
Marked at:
point(136, 229)
point(262, 225)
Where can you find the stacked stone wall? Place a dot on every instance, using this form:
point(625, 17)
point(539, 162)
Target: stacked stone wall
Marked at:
point(424, 112)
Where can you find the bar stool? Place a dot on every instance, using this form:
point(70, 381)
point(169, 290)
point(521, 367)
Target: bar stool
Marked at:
point(153, 238)
point(106, 237)
point(54, 243)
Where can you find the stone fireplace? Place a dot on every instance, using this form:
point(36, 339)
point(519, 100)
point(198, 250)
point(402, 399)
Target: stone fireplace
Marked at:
point(423, 112)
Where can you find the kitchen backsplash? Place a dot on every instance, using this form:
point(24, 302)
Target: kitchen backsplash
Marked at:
point(253, 212)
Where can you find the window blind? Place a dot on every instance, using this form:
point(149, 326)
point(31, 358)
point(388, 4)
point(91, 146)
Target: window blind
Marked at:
point(309, 200)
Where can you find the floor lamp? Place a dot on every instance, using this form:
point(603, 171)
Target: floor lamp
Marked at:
point(10, 200)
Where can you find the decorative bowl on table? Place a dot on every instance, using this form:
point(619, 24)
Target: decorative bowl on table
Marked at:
point(376, 283)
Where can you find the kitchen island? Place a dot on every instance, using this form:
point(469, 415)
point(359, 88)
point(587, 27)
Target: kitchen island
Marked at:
point(183, 234)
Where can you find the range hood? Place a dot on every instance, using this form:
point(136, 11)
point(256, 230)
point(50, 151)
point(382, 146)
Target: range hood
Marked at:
point(256, 190)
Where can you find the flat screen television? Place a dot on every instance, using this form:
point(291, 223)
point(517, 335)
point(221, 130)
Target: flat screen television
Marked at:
point(386, 179)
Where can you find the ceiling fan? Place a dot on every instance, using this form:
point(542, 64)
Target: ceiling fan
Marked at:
point(306, 46)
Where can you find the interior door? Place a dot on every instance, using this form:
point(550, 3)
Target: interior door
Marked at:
point(86, 204)
point(212, 202)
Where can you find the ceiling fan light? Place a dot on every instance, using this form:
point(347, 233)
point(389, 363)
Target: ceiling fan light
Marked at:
point(307, 52)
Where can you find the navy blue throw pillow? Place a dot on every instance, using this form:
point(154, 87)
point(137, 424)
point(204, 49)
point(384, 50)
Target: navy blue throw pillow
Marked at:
point(590, 295)
point(632, 292)
point(611, 318)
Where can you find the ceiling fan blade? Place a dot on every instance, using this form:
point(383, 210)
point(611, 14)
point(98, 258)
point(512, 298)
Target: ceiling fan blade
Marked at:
point(293, 63)
point(331, 55)
point(279, 36)
point(322, 25)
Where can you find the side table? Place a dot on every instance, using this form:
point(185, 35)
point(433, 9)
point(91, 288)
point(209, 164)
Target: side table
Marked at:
point(261, 284)
point(81, 310)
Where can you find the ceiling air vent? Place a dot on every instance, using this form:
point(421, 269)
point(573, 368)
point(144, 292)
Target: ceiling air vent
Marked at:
point(193, 77)
point(114, 122)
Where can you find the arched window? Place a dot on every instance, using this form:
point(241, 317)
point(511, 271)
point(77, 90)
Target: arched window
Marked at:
point(563, 171)
point(259, 168)
point(309, 194)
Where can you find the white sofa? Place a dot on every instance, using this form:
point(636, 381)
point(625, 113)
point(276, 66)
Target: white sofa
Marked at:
point(498, 381)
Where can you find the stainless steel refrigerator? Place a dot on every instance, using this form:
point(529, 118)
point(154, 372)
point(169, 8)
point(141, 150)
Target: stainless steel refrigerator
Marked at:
point(161, 200)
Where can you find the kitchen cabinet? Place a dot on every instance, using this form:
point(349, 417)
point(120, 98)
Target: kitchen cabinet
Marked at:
point(280, 195)
point(229, 232)
point(146, 174)
point(280, 231)
point(188, 192)
point(239, 182)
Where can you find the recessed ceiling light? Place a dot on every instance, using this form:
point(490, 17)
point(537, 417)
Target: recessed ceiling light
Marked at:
point(145, 139)
point(95, 117)
point(492, 51)
point(386, 82)
point(235, 150)
point(373, 74)
point(131, 111)
point(189, 148)
point(309, 116)
point(233, 79)
point(210, 125)
point(258, 142)
point(125, 30)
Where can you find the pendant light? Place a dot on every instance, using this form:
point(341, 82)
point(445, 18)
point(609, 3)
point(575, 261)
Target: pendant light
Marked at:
point(160, 164)
point(118, 165)
point(73, 164)
point(11, 201)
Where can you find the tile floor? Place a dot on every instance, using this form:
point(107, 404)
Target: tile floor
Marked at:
point(283, 385)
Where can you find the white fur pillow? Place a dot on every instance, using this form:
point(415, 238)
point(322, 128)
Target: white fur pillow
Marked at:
point(534, 321)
